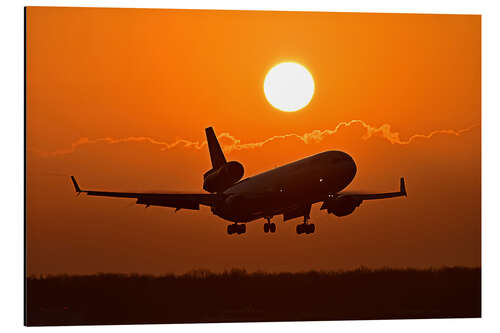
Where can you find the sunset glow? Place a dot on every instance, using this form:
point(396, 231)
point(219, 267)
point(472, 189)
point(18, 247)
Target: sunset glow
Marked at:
point(120, 98)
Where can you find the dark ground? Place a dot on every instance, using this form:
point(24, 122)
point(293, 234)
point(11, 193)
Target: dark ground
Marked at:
point(235, 296)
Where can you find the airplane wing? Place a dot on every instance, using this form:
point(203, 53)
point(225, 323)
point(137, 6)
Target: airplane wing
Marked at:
point(178, 201)
point(372, 196)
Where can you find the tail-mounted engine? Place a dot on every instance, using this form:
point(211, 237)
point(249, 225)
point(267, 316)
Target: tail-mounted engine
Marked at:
point(223, 174)
point(218, 180)
point(341, 206)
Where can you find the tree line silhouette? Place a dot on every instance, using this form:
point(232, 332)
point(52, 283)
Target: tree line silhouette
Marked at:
point(201, 296)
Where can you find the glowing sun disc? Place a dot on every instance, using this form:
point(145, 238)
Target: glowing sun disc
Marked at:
point(289, 86)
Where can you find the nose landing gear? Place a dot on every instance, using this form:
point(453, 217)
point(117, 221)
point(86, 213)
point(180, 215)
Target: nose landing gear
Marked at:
point(305, 228)
point(236, 229)
point(268, 226)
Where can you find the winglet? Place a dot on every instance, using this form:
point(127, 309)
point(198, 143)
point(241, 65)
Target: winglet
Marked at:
point(75, 184)
point(402, 187)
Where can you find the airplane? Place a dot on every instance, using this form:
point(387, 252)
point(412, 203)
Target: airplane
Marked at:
point(289, 190)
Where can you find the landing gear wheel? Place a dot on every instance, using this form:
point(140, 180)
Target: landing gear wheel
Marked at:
point(309, 228)
point(266, 227)
point(272, 227)
point(305, 228)
point(236, 229)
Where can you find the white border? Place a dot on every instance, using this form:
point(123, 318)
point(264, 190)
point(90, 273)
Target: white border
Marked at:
point(423, 6)
point(11, 130)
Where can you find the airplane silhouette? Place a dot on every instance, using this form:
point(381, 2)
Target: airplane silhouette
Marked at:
point(289, 190)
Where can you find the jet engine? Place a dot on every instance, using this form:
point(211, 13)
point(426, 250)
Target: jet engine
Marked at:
point(341, 206)
point(218, 180)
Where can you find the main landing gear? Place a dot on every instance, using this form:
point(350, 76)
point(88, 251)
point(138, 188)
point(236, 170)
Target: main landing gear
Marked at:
point(268, 226)
point(236, 229)
point(305, 228)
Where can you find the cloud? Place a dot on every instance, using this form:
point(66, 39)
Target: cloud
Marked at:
point(314, 136)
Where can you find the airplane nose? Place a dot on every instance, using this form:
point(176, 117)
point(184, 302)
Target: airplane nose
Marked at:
point(343, 164)
point(350, 167)
point(354, 169)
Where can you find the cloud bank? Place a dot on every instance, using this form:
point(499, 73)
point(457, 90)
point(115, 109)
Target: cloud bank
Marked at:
point(314, 136)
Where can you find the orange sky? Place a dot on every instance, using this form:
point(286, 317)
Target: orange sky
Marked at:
point(134, 81)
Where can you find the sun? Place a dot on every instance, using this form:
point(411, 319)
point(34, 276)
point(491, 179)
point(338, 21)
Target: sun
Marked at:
point(289, 86)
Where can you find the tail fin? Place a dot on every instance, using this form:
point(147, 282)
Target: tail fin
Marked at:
point(216, 154)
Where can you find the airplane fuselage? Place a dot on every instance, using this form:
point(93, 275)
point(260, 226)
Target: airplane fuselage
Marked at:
point(288, 187)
